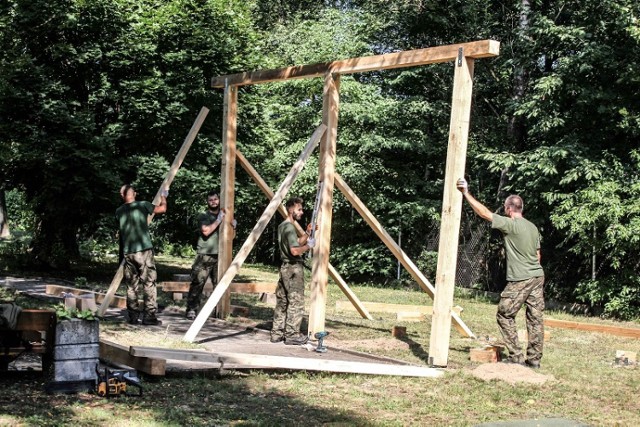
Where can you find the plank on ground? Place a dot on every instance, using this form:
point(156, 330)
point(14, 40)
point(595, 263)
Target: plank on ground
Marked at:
point(606, 329)
point(111, 352)
point(289, 363)
point(380, 307)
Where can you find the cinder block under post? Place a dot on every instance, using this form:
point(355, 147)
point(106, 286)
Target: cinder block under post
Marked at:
point(76, 356)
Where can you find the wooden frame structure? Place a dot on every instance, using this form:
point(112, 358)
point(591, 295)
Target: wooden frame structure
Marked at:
point(463, 55)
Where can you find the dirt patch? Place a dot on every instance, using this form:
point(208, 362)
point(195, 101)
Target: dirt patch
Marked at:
point(510, 373)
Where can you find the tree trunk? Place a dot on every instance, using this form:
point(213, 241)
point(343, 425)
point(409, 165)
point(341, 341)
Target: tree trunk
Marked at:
point(4, 220)
point(54, 245)
point(516, 130)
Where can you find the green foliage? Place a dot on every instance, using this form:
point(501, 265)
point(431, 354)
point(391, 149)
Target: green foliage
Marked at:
point(97, 93)
point(67, 313)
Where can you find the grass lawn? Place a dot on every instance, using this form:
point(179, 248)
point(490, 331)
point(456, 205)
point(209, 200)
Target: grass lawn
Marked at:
point(585, 387)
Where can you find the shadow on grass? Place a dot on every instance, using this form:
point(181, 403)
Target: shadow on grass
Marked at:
point(195, 401)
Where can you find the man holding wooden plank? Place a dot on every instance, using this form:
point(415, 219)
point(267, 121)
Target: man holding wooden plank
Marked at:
point(525, 277)
point(206, 262)
point(287, 316)
point(140, 267)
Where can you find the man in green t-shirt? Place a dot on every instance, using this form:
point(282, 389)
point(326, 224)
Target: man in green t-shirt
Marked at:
point(525, 277)
point(206, 262)
point(140, 269)
point(287, 316)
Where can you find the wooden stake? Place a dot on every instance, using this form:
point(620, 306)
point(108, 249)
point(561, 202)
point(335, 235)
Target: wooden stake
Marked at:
point(243, 253)
point(451, 212)
point(283, 212)
point(175, 166)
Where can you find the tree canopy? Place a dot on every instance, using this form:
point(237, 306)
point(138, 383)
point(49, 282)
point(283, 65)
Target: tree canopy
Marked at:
point(97, 93)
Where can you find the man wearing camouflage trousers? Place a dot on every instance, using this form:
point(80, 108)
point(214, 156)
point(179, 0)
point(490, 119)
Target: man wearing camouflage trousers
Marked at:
point(140, 266)
point(206, 262)
point(287, 316)
point(525, 277)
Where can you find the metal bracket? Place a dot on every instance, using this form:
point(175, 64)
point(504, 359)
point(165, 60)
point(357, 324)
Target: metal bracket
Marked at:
point(460, 56)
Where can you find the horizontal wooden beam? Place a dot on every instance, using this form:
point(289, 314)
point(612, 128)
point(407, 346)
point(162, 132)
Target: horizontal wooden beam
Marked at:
point(57, 290)
point(248, 361)
point(117, 354)
point(409, 58)
point(36, 320)
point(605, 329)
point(236, 287)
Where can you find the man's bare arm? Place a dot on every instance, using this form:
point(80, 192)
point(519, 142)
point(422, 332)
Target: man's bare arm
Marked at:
point(479, 208)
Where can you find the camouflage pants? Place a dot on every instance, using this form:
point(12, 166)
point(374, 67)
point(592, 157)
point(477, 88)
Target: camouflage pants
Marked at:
point(289, 311)
point(140, 275)
point(529, 292)
point(203, 267)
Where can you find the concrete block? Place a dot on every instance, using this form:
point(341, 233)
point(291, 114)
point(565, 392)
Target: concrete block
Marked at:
point(76, 352)
point(75, 370)
point(77, 331)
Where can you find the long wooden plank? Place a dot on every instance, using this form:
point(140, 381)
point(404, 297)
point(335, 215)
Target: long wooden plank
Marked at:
point(409, 58)
point(326, 172)
point(605, 329)
point(166, 183)
point(58, 290)
point(246, 165)
point(404, 259)
point(451, 212)
point(246, 360)
point(262, 223)
point(381, 307)
point(234, 287)
point(111, 352)
point(227, 190)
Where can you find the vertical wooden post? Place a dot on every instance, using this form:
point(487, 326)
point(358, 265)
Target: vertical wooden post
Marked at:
point(333, 273)
point(263, 221)
point(451, 211)
point(319, 273)
point(227, 190)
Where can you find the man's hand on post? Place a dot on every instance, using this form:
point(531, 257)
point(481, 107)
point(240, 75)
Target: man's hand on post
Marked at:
point(462, 186)
point(234, 223)
point(220, 217)
point(311, 242)
point(165, 192)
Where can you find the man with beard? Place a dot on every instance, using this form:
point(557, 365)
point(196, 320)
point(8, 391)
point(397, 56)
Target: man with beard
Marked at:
point(287, 316)
point(206, 262)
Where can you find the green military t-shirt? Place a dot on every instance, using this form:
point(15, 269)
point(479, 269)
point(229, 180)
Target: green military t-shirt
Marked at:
point(288, 237)
point(521, 243)
point(134, 231)
point(208, 245)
